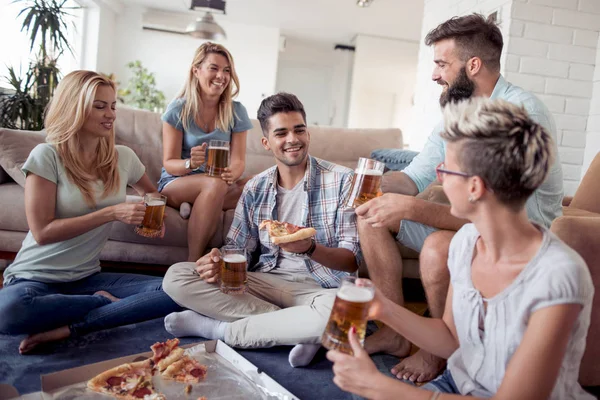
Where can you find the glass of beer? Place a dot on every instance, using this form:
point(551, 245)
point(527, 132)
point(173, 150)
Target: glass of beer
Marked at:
point(153, 218)
point(366, 183)
point(218, 157)
point(350, 309)
point(234, 278)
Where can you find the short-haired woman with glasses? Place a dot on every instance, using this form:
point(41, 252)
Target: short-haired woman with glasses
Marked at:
point(519, 302)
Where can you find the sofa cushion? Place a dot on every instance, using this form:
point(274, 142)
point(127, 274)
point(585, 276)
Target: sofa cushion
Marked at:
point(175, 232)
point(16, 146)
point(141, 130)
point(12, 212)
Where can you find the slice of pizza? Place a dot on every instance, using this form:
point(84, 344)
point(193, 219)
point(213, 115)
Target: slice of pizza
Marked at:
point(186, 369)
point(129, 381)
point(166, 353)
point(284, 232)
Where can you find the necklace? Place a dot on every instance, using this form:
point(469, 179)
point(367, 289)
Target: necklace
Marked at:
point(205, 124)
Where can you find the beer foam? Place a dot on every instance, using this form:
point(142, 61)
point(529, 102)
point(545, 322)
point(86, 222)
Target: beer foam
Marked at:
point(372, 172)
point(154, 203)
point(219, 148)
point(235, 258)
point(355, 294)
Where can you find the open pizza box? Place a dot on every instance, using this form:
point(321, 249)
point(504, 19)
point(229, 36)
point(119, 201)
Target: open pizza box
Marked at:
point(229, 376)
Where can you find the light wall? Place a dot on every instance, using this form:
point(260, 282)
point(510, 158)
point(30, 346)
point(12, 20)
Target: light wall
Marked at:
point(319, 76)
point(169, 56)
point(382, 87)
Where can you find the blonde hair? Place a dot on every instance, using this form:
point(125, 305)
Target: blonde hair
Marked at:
point(502, 145)
point(65, 116)
point(191, 90)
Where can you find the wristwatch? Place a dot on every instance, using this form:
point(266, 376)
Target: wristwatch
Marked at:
point(188, 163)
point(308, 253)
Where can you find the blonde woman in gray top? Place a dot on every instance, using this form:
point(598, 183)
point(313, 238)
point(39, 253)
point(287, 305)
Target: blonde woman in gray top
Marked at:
point(75, 186)
point(519, 302)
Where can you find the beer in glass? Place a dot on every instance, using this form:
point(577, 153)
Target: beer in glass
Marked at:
point(153, 218)
point(234, 278)
point(350, 309)
point(366, 183)
point(218, 157)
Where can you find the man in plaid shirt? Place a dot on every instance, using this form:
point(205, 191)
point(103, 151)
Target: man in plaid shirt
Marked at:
point(291, 288)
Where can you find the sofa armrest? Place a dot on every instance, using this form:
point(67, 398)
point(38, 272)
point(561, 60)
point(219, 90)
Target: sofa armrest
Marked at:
point(581, 234)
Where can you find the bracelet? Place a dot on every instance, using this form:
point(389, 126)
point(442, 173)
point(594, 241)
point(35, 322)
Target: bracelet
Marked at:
point(308, 253)
point(435, 395)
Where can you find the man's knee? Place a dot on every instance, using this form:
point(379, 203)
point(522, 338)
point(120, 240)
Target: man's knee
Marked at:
point(433, 260)
point(14, 307)
point(176, 278)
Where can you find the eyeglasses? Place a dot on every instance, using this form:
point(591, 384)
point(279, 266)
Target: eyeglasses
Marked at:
point(440, 170)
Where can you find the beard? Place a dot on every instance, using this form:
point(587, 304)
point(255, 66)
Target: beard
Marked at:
point(461, 89)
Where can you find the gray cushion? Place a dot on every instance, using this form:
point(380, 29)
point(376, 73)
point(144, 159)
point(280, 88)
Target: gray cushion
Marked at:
point(12, 211)
point(16, 146)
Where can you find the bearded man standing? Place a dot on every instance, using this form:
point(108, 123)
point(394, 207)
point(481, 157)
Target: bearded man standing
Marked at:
point(467, 53)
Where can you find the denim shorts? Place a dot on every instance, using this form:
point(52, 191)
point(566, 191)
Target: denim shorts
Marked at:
point(443, 384)
point(166, 178)
point(413, 234)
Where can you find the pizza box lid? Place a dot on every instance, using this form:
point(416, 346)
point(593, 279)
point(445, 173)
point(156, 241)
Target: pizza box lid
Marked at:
point(57, 380)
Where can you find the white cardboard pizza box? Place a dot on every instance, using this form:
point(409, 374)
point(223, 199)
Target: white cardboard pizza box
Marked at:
point(60, 379)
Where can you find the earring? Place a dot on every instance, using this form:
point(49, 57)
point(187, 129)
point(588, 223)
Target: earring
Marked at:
point(472, 199)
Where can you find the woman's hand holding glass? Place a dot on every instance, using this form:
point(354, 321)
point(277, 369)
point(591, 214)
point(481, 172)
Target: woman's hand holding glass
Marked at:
point(198, 155)
point(129, 213)
point(353, 373)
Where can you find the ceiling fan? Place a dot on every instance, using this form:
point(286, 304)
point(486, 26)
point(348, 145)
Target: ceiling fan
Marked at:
point(204, 27)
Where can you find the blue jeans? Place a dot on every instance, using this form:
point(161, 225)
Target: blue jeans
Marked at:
point(28, 307)
point(443, 384)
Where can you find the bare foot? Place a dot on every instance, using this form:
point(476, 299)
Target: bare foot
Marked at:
point(33, 341)
point(385, 340)
point(420, 367)
point(107, 295)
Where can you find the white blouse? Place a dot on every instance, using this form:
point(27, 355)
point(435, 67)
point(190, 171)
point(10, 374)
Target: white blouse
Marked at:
point(555, 275)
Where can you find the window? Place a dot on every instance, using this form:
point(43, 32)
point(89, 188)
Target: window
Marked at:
point(14, 46)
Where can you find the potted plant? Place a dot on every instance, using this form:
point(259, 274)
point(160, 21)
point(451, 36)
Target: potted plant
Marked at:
point(45, 22)
point(141, 91)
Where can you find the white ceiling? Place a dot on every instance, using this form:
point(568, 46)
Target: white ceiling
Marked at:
point(334, 21)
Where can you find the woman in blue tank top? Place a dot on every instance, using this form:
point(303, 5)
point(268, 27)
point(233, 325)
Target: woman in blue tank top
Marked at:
point(203, 111)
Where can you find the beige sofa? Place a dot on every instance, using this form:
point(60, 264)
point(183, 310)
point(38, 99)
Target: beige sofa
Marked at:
point(141, 131)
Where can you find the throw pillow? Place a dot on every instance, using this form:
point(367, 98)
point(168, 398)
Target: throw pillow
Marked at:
point(15, 147)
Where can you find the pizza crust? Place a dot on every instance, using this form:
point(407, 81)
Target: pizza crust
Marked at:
point(170, 359)
point(178, 372)
point(302, 234)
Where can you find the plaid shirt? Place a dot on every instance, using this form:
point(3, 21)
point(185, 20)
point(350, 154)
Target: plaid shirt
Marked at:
point(326, 186)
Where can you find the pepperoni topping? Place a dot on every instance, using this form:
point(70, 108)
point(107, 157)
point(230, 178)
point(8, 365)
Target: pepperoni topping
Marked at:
point(197, 372)
point(291, 228)
point(140, 393)
point(114, 381)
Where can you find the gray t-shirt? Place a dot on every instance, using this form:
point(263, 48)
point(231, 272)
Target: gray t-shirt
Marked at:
point(555, 275)
point(78, 257)
point(289, 209)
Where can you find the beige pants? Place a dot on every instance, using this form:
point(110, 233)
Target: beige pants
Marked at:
point(278, 309)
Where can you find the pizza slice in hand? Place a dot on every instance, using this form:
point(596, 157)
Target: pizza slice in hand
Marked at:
point(284, 232)
point(129, 381)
